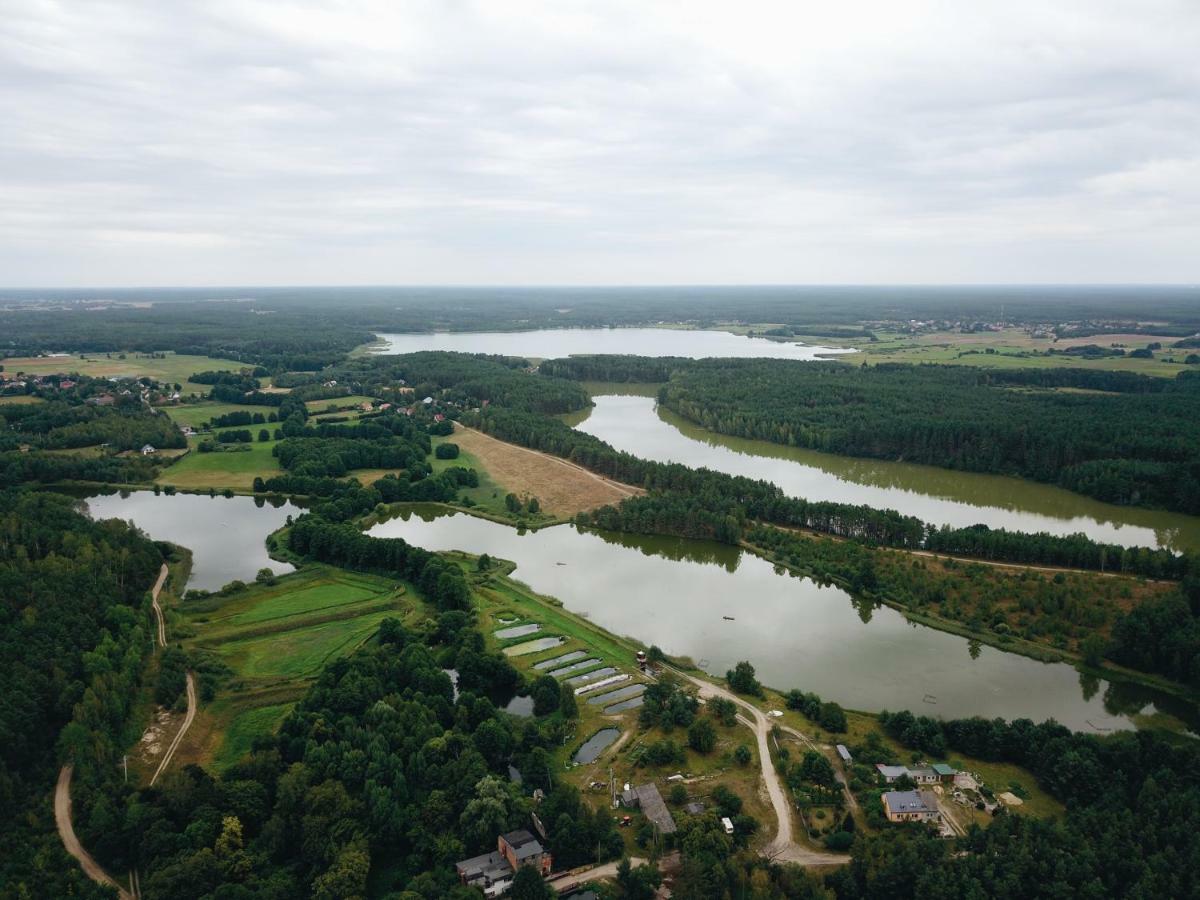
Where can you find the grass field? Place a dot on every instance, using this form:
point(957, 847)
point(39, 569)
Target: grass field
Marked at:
point(236, 469)
point(20, 399)
point(336, 403)
point(298, 652)
point(275, 638)
point(196, 414)
point(243, 728)
point(173, 367)
point(1010, 348)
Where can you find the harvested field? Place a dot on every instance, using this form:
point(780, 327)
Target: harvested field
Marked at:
point(562, 488)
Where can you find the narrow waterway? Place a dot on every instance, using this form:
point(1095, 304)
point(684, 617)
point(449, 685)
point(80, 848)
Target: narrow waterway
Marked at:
point(636, 424)
point(717, 605)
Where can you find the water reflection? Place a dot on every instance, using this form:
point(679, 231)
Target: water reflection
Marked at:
point(713, 607)
point(226, 535)
point(636, 424)
point(548, 343)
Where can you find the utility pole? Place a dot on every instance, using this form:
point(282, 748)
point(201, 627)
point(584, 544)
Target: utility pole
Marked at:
point(125, 763)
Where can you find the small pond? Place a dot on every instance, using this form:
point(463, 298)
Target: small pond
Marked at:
point(595, 745)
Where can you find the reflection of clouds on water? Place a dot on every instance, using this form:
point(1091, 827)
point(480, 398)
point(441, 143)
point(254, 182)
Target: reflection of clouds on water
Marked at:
point(550, 343)
point(797, 633)
point(943, 497)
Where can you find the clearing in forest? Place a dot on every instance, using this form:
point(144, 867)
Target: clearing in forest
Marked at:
point(561, 487)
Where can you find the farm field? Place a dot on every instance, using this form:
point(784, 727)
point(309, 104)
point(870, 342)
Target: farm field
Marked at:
point(336, 403)
point(1011, 348)
point(21, 399)
point(196, 414)
point(235, 470)
point(563, 489)
point(298, 652)
point(173, 367)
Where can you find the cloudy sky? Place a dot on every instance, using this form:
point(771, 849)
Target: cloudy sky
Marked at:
point(558, 142)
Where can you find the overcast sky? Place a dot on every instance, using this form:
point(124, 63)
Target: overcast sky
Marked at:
point(393, 142)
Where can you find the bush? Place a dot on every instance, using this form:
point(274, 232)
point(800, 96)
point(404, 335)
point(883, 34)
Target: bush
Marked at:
point(446, 451)
point(839, 840)
point(702, 736)
point(742, 755)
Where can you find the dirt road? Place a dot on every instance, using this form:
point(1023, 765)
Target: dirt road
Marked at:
point(66, 831)
point(158, 613)
point(565, 883)
point(187, 723)
point(783, 848)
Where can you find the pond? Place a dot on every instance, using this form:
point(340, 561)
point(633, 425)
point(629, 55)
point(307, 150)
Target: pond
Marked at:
point(227, 535)
point(595, 745)
point(549, 343)
point(518, 631)
point(636, 424)
point(798, 634)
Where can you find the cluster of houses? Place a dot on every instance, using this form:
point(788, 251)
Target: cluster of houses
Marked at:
point(493, 872)
point(918, 805)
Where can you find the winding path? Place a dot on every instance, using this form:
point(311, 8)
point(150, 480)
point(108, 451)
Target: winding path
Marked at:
point(784, 847)
point(158, 613)
point(187, 723)
point(62, 818)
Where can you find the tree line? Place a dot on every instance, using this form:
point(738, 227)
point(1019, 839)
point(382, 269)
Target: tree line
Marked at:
point(74, 635)
point(1133, 444)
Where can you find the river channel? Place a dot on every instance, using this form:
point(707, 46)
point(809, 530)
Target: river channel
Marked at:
point(717, 605)
point(636, 424)
point(549, 343)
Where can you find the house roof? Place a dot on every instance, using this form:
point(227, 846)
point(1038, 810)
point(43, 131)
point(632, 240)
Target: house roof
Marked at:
point(943, 769)
point(653, 807)
point(891, 771)
point(910, 801)
point(922, 772)
point(490, 867)
point(843, 752)
point(523, 844)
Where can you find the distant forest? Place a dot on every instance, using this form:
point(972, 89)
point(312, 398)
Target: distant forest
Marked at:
point(1116, 436)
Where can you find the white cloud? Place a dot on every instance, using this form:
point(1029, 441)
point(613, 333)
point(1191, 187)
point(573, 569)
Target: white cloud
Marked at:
point(619, 141)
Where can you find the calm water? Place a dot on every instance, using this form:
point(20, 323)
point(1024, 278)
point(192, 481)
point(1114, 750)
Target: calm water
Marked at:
point(549, 343)
point(225, 534)
point(638, 425)
point(595, 745)
point(676, 594)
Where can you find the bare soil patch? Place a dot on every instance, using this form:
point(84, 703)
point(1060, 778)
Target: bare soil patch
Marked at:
point(561, 487)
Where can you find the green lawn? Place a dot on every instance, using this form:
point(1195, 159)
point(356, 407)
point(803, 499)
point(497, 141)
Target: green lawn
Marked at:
point(20, 399)
point(236, 469)
point(337, 403)
point(173, 368)
point(489, 496)
point(305, 592)
point(196, 414)
point(244, 728)
point(299, 653)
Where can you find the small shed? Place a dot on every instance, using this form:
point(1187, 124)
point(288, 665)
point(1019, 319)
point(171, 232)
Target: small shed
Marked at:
point(844, 753)
point(147, 449)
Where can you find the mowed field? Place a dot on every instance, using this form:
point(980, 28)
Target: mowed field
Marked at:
point(235, 469)
point(173, 367)
point(275, 639)
point(562, 488)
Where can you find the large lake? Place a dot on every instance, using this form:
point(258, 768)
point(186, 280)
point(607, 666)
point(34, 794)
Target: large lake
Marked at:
point(637, 424)
point(227, 535)
point(549, 343)
point(677, 593)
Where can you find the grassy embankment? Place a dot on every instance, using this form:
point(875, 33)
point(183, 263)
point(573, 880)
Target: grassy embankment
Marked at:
point(275, 639)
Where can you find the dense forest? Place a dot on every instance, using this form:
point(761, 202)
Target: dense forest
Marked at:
point(74, 634)
point(1132, 827)
point(1112, 437)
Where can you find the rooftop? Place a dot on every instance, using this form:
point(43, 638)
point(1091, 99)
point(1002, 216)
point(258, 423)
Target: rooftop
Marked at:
point(524, 845)
point(489, 867)
point(654, 808)
point(943, 769)
point(910, 801)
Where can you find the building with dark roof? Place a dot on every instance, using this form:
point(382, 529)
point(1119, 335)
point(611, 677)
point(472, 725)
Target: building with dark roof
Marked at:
point(910, 806)
point(490, 872)
point(654, 808)
point(521, 848)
